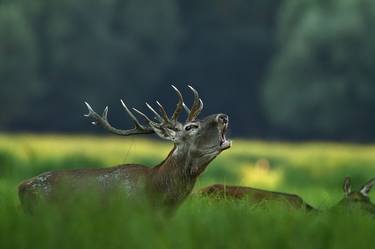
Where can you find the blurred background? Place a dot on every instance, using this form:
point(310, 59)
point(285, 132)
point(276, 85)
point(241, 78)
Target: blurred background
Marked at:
point(297, 78)
point(286, 69)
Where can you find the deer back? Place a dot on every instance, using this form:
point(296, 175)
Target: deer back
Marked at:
point(254, 195)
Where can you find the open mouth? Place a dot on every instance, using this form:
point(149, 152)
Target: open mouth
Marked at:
point(224, 142)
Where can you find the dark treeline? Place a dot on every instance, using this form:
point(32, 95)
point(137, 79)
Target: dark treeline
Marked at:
point(286, 69)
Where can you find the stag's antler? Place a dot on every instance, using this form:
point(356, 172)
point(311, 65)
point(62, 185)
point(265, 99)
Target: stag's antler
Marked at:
point(180, 105)
point(197, 106)
point(103, 122)
point(164, 120)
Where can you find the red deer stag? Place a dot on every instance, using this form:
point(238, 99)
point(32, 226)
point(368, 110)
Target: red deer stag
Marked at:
point(196, 144)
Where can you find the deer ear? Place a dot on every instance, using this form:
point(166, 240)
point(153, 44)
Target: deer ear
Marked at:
point(367, 187)
point(347, 186)
point(163, 132)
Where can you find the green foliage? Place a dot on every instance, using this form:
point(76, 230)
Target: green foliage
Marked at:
point(110, 49)
point(83, 50)
point(289, 69)
point(321, 81)
point(18, 63)
point(9, 163)
point(226, 53)
point(315, 171)
point(199, 223)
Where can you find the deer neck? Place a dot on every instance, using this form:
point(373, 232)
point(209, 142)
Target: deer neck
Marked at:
point(174, 169)
point(175, 177)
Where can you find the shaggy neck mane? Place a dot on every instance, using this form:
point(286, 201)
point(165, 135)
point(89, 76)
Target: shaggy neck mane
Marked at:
point(173, 179)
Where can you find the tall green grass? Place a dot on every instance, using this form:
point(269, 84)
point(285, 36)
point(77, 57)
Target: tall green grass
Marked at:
point(315, 171)
point(200, 223)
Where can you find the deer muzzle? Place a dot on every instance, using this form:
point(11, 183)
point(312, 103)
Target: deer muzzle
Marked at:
point(223, 122)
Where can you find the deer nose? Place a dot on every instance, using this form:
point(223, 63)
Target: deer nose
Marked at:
point(223, 118)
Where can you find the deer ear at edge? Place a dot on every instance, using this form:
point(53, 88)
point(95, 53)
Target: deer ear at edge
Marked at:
point(347, 186)
point(365, 189)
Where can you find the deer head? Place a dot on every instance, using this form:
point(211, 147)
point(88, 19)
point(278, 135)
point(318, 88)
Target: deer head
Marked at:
point(359, 199)
point(197, 142)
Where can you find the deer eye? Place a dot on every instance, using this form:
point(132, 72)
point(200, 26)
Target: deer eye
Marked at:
point(189, 127)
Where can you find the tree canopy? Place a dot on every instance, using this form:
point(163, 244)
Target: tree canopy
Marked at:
point(285, 69)
point(321, 80)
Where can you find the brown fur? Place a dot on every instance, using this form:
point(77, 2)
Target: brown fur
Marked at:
point(196, 144)
point(255, 196)
point(168, 184)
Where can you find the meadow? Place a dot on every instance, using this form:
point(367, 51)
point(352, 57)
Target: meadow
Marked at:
point(315, 171)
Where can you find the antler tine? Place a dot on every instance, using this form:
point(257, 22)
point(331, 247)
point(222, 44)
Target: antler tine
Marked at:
point(365, 189)
point(346, 186)
point(164, 113)
point(196, 110)
point(143, 115)
point(105, 113)
point(186, 108)
point(91, 113)
point(158, 117)
point(103, 121)
point(180, 104)
point(135, 120)
point(197, 105)
point(200, 107)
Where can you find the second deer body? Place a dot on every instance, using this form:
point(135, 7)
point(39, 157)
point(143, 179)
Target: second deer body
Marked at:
point(254, 195)
point(352, 199)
